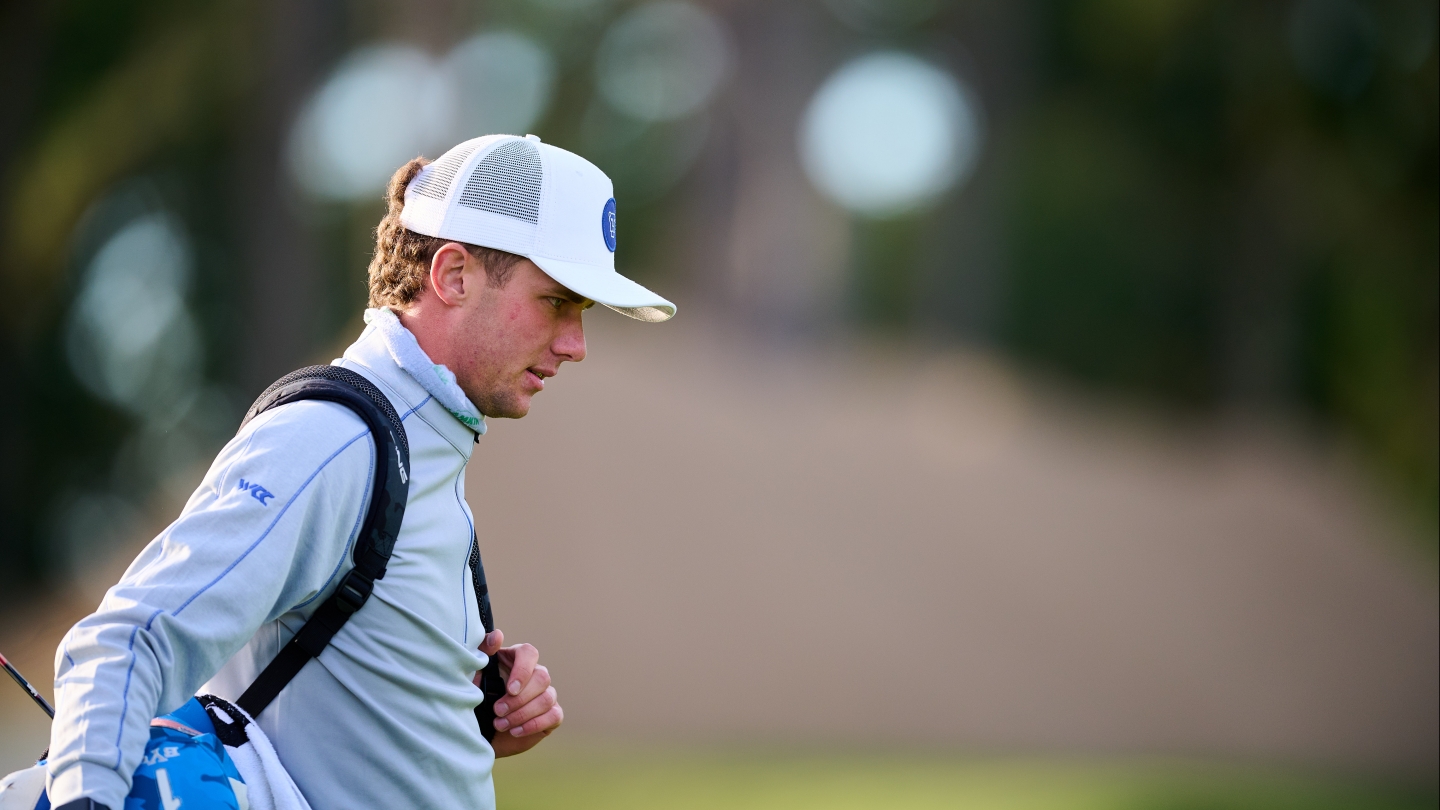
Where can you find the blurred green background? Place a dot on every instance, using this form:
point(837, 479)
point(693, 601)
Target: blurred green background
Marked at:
point(1200, 211)
point(640, 780)
point(1214, 205)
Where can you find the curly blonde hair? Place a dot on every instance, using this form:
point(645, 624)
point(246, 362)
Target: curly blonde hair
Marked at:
point(401, 265)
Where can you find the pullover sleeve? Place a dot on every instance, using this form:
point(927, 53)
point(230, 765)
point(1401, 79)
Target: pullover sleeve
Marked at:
point(267, 530)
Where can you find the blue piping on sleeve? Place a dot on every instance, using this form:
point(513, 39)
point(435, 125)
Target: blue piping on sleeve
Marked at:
point(266, 533)
point(125, 701)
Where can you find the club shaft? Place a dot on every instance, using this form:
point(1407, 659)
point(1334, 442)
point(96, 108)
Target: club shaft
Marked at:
point(29, 690)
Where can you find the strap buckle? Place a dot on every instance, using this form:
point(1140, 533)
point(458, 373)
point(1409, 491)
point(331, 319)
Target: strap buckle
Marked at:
point(352, 591)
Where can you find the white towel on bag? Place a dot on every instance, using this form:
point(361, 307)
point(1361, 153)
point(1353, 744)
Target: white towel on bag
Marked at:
point(21, 790)
point(267, 783)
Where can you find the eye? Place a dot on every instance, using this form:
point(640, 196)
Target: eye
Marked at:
point(555, 303)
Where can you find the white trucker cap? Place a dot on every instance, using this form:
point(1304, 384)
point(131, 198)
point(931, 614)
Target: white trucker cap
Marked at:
point(522, 196)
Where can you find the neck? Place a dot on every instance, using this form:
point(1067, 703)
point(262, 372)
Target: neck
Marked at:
point(407, 352)
point(430, 331)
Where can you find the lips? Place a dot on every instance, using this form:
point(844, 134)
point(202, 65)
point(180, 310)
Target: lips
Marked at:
point(537, 376)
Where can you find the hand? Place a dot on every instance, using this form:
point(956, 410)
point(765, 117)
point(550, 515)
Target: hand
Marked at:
point(529, 711)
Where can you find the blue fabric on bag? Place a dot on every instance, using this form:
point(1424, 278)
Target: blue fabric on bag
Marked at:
point(196, 771)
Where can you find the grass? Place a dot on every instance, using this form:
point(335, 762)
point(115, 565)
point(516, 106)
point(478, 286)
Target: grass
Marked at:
point(632, 780)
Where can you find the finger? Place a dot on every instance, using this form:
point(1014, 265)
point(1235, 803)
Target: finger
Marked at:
point(523, 658)
point(544, 724)
point(492, 642)
point(542, 703)
point(533, 688)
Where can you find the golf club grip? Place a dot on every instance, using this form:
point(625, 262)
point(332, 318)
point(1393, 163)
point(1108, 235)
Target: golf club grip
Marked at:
point(493, 685)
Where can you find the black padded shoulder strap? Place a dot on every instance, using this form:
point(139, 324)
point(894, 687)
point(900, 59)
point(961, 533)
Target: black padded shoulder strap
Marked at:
point(491, 684)
point(377, 535)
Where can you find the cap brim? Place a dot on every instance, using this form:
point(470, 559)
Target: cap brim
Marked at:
point(605, 286)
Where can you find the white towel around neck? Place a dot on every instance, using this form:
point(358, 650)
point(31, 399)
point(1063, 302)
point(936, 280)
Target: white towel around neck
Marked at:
point(435, 378)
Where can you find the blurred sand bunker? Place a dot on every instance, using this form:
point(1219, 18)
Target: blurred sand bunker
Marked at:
point(714, 540)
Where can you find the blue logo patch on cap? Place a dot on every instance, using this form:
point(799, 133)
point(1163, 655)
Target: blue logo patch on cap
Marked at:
point(607, 224)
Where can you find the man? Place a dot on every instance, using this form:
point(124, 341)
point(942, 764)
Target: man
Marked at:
point(483, 267)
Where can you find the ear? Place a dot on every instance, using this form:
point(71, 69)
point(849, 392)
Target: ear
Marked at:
point(447, 273)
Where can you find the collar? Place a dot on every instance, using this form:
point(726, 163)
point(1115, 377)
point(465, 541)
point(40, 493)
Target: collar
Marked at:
point(370, 355)
point(435, 378)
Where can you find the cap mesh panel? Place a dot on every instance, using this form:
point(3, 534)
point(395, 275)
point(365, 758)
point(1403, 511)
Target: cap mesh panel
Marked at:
point(434, 180)
point(506, 181)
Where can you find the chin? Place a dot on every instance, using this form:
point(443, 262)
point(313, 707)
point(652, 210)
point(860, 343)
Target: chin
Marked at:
point(507, 408)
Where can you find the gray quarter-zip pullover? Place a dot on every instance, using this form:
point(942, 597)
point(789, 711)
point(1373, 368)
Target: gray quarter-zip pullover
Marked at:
point(384, 717)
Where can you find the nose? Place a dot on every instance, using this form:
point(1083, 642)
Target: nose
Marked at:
point(570, 343)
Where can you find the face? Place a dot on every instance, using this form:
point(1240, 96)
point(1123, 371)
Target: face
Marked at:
point(504, 343)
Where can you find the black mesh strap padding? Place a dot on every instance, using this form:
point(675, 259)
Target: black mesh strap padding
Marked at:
point(377, 534)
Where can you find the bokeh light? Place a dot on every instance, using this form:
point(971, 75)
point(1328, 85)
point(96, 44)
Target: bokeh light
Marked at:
point(386, 104)
point(382, 106)
point(502, 83)
point(130, 338)
point(662, 61)
point(888, 133)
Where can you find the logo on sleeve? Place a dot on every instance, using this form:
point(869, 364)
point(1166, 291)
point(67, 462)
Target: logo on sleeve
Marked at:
point(607, 224)
point(258, 492)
